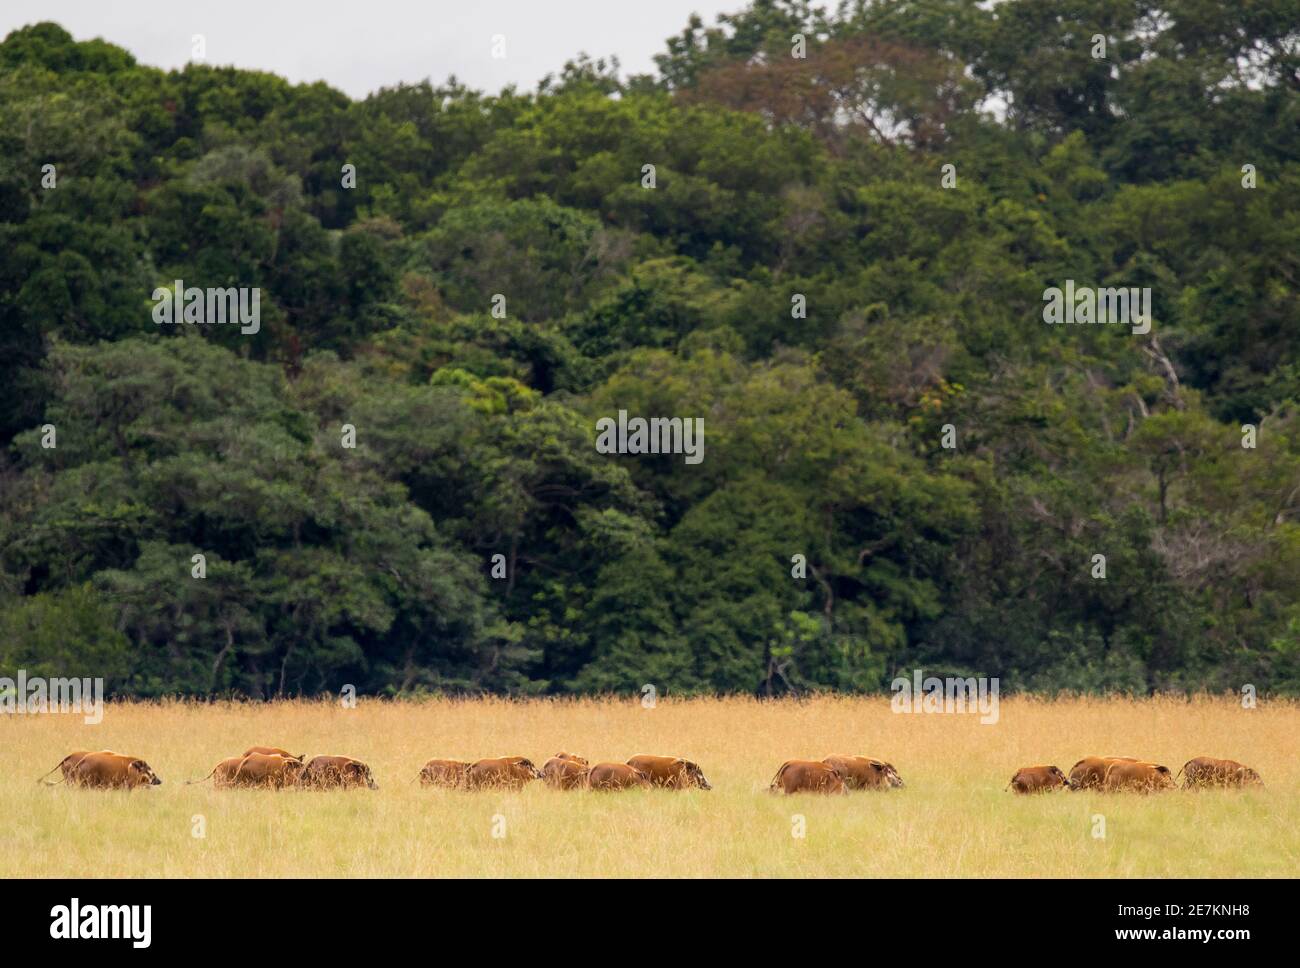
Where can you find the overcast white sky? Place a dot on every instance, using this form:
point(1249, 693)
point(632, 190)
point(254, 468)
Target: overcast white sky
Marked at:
point(360, 45)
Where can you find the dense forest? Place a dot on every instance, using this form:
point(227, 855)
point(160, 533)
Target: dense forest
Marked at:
point(838, 261)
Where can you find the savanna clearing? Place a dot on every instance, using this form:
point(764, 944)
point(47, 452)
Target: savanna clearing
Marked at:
point(953, 819)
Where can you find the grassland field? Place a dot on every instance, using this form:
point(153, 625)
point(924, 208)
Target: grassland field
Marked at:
point(953, 819)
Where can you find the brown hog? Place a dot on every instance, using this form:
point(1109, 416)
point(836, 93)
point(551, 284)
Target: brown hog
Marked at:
point(616, 776)
point(444, 773)
point(1137, 777)
point(328, 772)
point(1206, 771)
point(271, 771)
point(113, 771)
point(1038, 779)
point(670, 772)
point(864, 772)
point(564, 772)
point(510, 772)
point(1090, 772)
point(807, 776)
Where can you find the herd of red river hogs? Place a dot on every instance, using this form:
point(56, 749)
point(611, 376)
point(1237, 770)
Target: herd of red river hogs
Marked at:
point(272, 767)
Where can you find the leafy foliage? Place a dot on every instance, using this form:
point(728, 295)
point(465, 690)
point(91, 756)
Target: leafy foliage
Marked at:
point(777, 178)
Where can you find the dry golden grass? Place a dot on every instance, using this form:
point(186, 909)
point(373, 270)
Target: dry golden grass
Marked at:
point(952, 820)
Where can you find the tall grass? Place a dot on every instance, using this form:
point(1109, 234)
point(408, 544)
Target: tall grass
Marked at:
point(952, 820)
